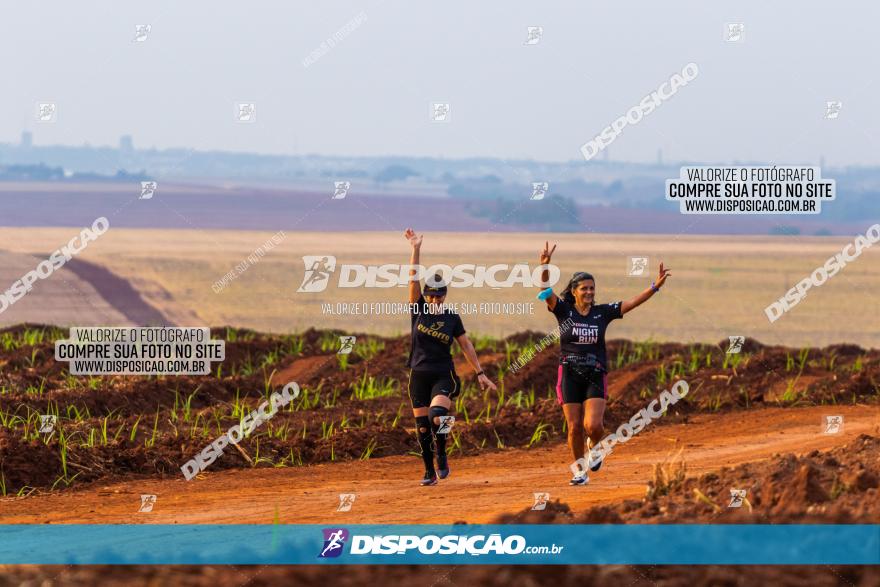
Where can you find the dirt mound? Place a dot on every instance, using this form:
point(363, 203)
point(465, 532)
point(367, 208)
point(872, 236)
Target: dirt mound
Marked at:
point(841, 486)
point(300, 369)
point(554, 511)
point(119, 293)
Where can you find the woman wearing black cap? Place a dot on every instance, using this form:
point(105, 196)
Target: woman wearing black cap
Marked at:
point(581, 386)
point(433, 383)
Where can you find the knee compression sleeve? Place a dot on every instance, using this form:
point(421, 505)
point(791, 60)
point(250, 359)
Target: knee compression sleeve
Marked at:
point(437, 412)
point(440, 439)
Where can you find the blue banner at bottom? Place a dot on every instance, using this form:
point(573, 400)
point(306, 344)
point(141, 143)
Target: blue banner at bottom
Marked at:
point(564, 544)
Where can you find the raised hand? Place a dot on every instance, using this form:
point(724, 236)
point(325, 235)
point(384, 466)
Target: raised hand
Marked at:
point(661, 278)
point(414, 239)
point(547, 253)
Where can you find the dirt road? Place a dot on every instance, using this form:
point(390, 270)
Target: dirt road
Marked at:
point(480, 487)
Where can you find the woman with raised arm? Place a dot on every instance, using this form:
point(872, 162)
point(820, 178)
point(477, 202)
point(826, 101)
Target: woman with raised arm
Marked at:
point(433, 384)
point(581, 386)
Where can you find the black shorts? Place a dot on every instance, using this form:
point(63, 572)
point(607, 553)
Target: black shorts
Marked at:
point(424, 385)
point(575, 385)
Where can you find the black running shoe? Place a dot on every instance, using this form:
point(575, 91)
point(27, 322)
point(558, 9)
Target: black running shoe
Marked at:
point(430, 478)
point(442, 466)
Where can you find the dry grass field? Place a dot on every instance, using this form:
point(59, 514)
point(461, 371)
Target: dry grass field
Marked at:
point(720, 285)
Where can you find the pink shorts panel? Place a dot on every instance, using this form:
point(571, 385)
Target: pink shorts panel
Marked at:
point(559, 385)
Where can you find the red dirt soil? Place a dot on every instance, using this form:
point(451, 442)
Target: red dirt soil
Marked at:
point(728, 428)
point(838, 486)
point(779, 487)
point(31, 381)
point(479, 489)
point(446, 576)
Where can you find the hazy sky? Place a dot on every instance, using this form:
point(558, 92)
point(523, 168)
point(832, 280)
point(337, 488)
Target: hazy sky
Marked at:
point(760, 99)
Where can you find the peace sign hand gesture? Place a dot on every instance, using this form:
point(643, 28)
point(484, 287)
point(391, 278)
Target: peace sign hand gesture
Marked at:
point(664, 273)
point(547, 253)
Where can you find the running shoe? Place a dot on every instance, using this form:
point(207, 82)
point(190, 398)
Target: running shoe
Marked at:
point(580, 478)
point(595, 465)
point(430, 478)
point(442, 466)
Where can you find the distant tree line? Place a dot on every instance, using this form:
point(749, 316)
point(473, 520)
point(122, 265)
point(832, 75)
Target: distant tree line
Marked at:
point(43, 172)
point(553, 213)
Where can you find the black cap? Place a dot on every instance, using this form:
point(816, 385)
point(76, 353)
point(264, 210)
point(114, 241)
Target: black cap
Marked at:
point(437, 289)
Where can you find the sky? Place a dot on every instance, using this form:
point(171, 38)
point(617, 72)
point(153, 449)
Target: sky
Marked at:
point(760, 99)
